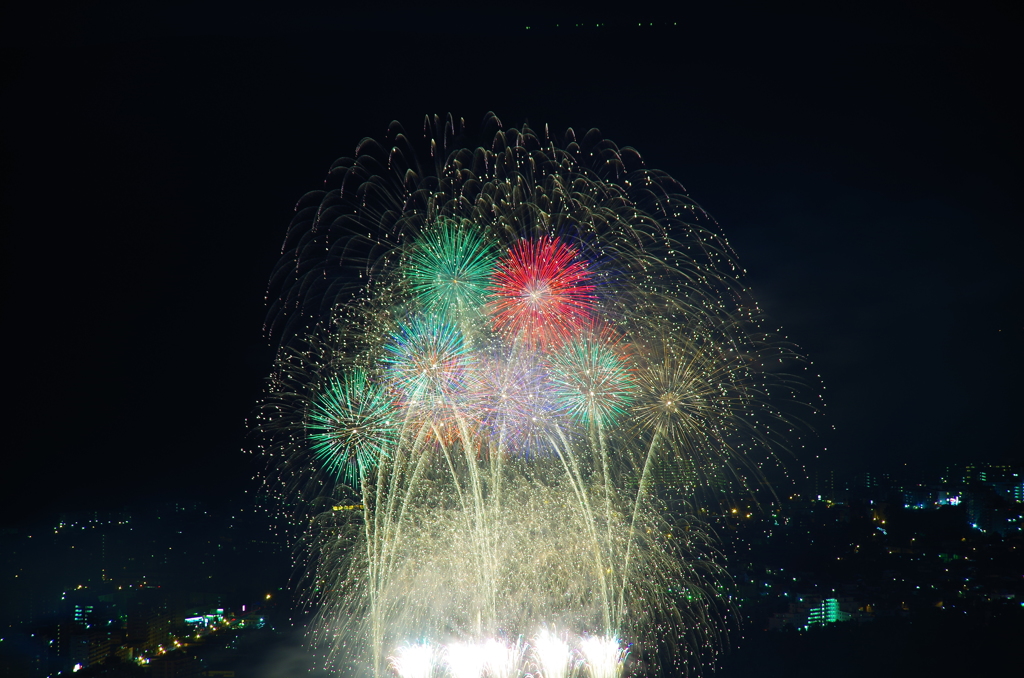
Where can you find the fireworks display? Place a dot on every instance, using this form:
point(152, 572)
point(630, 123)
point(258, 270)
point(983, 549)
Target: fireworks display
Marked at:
point(523, 370)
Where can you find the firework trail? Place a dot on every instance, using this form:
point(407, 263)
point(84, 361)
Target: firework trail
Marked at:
point(499, 356)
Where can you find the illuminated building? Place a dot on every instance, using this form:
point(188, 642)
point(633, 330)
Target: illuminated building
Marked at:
point(826, 612)
point(808, 611)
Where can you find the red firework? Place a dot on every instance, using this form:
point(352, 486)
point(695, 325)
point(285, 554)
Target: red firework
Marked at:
point(540, 291)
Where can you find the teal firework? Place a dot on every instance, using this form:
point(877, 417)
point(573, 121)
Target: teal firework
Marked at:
point(449, 267)
point(427, 359)
point(352, 424)
point(590, 379)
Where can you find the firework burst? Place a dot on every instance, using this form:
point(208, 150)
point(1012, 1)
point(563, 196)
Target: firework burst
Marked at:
point(541, 291)
point(450, 266)
point(514, 402)
point(591, 379)
point(426, 361)
point(352, 424)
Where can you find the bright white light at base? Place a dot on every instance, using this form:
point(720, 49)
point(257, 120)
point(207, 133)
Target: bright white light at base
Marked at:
point(465, 660)
point(552, 654)
point(604, 656)
point(413, 661)
point(503, 660)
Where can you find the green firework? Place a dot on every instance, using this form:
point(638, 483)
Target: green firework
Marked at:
point(590, 380)
point(352, 424)
point(449, 267)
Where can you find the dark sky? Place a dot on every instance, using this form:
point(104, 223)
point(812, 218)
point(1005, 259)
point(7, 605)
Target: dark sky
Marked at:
point(865, 164)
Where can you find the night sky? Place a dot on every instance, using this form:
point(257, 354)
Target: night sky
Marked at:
point(866, 167)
